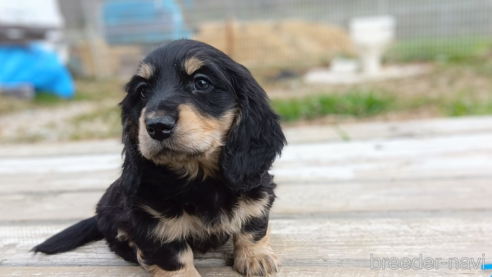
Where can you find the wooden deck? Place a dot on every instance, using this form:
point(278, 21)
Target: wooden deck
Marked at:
point(391, 190)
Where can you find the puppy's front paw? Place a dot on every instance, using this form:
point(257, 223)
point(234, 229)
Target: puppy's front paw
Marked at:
point(253, 261)
point(187, 271)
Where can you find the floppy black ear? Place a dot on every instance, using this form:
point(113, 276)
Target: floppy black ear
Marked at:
point(255, 138)
point(130, 176)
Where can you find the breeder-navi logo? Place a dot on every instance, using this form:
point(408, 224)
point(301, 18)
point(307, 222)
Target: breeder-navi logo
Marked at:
point(419, 263)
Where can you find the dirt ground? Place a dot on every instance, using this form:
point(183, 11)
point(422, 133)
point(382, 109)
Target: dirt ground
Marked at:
point(260, 43)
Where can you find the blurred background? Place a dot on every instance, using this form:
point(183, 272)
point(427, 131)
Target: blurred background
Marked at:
point(63, 64)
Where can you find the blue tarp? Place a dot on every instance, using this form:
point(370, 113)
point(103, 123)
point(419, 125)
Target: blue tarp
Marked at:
point(37, 66)
point(147, 21)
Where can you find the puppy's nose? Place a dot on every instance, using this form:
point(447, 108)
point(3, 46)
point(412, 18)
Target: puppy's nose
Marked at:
point(160, 128)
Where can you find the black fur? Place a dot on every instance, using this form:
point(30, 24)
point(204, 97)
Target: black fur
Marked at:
point(71, 238)
point(256, 140)
point(252, 144)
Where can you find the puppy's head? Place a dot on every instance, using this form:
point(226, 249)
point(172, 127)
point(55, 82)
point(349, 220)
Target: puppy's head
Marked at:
point(193, 109)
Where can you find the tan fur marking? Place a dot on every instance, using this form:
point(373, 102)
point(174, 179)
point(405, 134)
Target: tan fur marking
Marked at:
point(185, 258)
point(141, 261)
point(202, 135)
point(192, 64)
point(145, 70)
point(122, 235)
point(170, 229)
point(254, 258)
point(146, 144)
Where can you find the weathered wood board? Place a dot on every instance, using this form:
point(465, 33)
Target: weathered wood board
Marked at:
point(302, 199)
point(392, 190)
point(464, 155)
point(342, 242)
point(286, 271)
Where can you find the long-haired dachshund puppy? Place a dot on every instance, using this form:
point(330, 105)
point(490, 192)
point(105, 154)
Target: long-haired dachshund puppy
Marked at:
point(199, 138)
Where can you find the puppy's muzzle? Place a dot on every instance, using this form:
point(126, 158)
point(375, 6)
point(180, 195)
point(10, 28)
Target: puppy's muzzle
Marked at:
point(160, 128)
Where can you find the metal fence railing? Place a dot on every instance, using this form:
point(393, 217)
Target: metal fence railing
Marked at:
point(108, 37)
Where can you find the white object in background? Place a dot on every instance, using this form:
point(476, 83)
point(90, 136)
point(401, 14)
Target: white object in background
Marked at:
point(35, 14)
point(344, 65)
point(372, 36)
point(54, 42)
point(31, 13)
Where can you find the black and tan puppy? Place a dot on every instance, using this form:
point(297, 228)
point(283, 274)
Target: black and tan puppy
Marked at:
point(199, 137)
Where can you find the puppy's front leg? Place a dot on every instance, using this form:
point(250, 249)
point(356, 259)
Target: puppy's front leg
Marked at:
point(252, 252)
point(174, 259)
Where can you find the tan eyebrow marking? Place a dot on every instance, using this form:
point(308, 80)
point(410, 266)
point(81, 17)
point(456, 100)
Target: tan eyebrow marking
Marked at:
point(192, 64)
point(145, 70)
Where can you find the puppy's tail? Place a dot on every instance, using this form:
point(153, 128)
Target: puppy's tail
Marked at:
point(71, 238)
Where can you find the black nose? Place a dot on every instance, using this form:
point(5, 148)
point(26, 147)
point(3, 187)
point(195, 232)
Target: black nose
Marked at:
point(160, 128)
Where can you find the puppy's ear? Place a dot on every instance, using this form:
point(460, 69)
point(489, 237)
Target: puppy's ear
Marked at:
point(255, 138)
point(130, 177)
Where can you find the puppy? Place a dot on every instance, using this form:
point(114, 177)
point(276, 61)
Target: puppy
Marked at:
point(199, 138)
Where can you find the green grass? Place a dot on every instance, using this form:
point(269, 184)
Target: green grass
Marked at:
point(464, 105)
point(366, 104)
point(103, 123)
point(351, 103)
point(48, 99)
point(444, 50)
point(87, 90)
point(44, 98)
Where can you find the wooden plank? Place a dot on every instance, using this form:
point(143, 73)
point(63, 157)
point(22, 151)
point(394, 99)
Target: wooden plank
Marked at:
point(61, 148)
point(327, 242)
point(434, 158)
point(453, 157)
point(286, 271)
point(57, 182)
point(302, 199)
point(386, 149)
point(86, 271)
point(390, 130)
point(458, 167)
point(56, 206)
point(380, 197)
point(471, 194)
point(446, 167)
point(60, 164)
point(426, 167)
point(316, 153)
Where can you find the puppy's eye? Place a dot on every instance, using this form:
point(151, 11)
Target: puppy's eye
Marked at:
point(201, 84)
point(142, 90)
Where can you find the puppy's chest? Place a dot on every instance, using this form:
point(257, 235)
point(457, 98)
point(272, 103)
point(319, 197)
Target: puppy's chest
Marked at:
point(197, 221)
